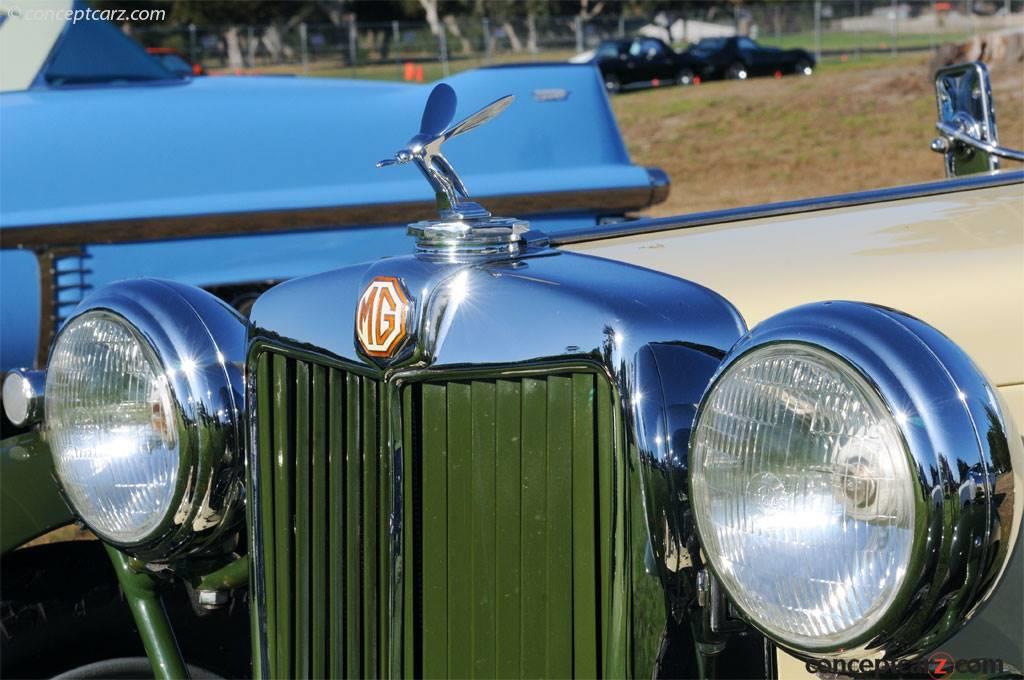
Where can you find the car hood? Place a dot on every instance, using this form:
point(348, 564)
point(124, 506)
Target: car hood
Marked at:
point(236, 144)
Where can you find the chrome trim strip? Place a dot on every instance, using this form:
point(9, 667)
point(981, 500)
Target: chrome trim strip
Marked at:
point(253, 502)
point(654, 225)
point(608, 200)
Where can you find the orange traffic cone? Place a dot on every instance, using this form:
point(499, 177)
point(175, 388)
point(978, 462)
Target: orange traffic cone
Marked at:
point(419, 73)
point(410, 71)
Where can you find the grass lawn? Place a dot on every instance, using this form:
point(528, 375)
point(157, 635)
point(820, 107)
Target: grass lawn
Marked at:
point(866, 40)
point(852, 126)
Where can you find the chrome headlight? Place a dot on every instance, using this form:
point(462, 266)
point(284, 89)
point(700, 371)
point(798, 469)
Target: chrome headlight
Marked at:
point(851, 478)
point(143, 399)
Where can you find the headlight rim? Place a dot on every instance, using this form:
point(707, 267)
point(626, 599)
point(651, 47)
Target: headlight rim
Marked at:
point(185, 443)
point(186, 327)
point(852, 332)
point(905, 589)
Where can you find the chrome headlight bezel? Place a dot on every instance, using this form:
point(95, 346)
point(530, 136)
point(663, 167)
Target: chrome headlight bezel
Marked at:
point(199, 342)
point(949, 416)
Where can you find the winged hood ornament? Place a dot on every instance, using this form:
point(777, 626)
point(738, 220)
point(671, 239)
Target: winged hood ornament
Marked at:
point(424, 149)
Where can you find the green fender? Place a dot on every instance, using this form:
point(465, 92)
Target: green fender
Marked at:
point(30, 501)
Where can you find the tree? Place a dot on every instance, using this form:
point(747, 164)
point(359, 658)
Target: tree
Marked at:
point(230, 17)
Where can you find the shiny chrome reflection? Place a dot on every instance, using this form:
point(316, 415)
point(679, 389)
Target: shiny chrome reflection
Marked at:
point(23, 396)
point(200, 343)
point(961, 447)
point(655, 338)
point(424, 149)
point(968, 137)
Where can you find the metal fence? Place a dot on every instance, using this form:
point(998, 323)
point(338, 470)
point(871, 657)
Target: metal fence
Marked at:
point(400, 48)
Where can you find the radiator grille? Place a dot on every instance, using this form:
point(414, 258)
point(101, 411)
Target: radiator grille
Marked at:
point(322, 518)
point(507, 503)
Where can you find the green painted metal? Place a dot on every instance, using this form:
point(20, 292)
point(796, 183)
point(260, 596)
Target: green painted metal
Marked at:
point(409, 570)
point(584, 536)
point(319, 430)
point(508, 518)
point(303, 520)
point(513, 557)
point(512, 582)
point(30, 500)
point(352, 536)
point(434, 538)
point(231, 576)
point(483, 537)
point(337, 554)
point(142, 594)
point(283, 469)
point(265, 461)
point(319, 630)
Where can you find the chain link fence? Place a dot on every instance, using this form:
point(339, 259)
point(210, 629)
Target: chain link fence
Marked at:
point(414, 50)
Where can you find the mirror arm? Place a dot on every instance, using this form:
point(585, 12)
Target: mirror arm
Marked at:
point(951, 133)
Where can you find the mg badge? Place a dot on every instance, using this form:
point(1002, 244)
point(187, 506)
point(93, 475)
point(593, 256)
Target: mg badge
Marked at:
point(381, 317)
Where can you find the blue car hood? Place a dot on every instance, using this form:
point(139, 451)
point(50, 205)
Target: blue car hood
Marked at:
point(229, 144)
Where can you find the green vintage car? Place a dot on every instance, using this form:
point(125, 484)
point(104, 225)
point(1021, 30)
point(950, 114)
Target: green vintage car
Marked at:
point(506, 455)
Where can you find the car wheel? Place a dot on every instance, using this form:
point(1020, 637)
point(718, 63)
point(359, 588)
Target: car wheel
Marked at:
point(737, 71)
point(612, 84)
point(804, 68)
point(685, 77)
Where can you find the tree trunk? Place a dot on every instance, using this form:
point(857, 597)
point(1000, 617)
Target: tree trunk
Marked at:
point(382, 42)
point(234, 47)
point(251, 44)
point(587, 12)
point(453, 28)
point(274, 43)
point(430, 9)
point(531, 33)
point(513, 39)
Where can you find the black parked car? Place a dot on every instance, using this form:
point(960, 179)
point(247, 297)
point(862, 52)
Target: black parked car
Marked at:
point(740, 57)
point(643, 60)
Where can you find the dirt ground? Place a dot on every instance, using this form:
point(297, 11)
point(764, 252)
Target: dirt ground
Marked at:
point(849, 127)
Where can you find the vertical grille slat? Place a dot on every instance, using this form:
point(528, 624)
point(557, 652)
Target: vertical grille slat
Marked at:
point(303, 520)
point(352, 541)
point(508, 503)
point(320, 506)
point(337, 572)
point(533, 555)
point(434, 509)
point(265, 453)
point(484, 532)
point(370, 463)
point(460, 541)
point(283, 512)
point(584, 535)
point(560, 459)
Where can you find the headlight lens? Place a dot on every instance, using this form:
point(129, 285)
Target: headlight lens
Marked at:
point(804, 494)
point(112, 427)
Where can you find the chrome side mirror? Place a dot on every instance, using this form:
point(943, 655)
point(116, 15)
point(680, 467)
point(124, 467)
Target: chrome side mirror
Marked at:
point(967, 122)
